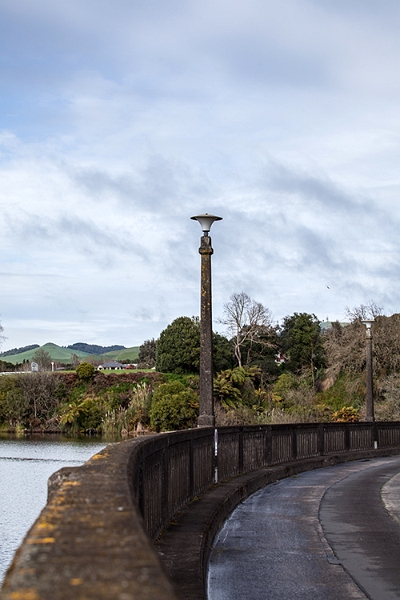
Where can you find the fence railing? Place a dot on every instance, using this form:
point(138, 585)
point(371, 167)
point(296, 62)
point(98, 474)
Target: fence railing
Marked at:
point(173, 468)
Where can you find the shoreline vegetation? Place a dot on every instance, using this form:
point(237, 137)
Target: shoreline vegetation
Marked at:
point(296, 373)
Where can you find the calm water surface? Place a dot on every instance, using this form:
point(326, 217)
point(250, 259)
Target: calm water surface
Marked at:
point(25, 466)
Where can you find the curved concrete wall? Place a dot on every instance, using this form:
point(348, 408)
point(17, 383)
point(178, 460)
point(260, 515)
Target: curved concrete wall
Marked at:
point(89, 541)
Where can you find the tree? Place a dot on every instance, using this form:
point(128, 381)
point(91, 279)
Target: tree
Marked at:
point(302, 342)
point(178, 348)
point(2, 337)
point(365, 311)
point(247, 322)
point(42, 358)
point(40, 393)
point(235, 387)
point(222, 353)
point(74, 360)
point(147, 354)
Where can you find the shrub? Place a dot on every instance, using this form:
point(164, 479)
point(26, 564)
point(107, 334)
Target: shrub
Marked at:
point(85, 371)
point(174, 406)
point(347, 414)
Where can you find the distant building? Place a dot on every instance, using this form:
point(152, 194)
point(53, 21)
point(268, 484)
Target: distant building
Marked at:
point(280, 358)
point(112, 364)
point(326, 325)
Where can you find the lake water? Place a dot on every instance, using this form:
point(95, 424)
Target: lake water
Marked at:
point(25, 466)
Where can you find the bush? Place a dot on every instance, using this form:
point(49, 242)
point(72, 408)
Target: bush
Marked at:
point(85, 371)
point(347, 414)
point(174, 406)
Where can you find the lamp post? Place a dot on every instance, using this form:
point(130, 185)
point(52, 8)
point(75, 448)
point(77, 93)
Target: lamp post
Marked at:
point(369, 404)
point(206, 412)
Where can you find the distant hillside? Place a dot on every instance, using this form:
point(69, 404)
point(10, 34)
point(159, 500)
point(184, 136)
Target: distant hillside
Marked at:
point(19, 350)
point(130, 354)
point(63, 355)
point(56, 352)
point(94, 348)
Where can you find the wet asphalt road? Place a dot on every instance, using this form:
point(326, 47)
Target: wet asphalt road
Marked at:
point(329, 534)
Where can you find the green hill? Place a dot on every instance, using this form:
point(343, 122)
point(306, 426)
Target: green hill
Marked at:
point(56, 352)
point(125, 354)
point(63, 355)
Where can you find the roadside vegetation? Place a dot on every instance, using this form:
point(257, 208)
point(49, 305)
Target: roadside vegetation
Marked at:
point(264, 373)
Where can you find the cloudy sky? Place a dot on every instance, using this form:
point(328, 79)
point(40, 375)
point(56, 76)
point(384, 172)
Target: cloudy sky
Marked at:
point(120, 119)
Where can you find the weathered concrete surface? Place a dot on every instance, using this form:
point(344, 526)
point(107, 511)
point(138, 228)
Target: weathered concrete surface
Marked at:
point(184, 548)
point(89, 542)
point(273, 545)
point(361, 531)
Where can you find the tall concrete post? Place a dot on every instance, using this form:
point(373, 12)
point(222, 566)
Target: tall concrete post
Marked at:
point(369, 401)
point(206, 411)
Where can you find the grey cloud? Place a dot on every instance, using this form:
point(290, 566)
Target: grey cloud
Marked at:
point(159, 185)
point(84, 234)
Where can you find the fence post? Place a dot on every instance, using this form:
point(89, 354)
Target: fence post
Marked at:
point(215, 455)
point(165, 480)
point(268, 445)
point(191, 467)
point(347, 437)
point(294, 442)
point(321, 439)
point(375, 435)
point(240, 449)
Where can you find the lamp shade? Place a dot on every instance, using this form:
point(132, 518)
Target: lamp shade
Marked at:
point(206, 221)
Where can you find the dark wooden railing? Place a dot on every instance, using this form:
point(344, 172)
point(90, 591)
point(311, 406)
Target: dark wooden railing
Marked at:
point(173, 468)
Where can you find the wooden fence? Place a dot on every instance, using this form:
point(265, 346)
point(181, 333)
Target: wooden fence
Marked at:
point(171, 469)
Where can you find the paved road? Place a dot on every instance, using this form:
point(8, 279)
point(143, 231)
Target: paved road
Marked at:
point(329, 534)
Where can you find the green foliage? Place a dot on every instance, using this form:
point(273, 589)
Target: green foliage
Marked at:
point(174, 406)
point(347, 390)
point(347, 414)
point(14, 406)
point(301, 340)
point(6, 366)
point(284, 384)
point(147, 354)
point(222, 353)
point(82, 415)
point(85, 371)
point(235, 387)
point(28, 400)
point(178, 348)
point(133, 417)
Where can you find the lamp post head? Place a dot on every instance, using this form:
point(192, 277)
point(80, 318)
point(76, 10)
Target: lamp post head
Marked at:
point(206, 221)
point(368, 325)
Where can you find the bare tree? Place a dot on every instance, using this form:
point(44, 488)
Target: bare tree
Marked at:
point(365, 311)
point(2, 337)
point(43, 359)
point(246, 321)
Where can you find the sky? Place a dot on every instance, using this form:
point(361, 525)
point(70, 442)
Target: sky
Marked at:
point(121, 119)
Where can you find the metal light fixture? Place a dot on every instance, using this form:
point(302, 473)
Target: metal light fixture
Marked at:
point(206, 221)
point(206, 410)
